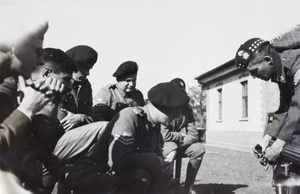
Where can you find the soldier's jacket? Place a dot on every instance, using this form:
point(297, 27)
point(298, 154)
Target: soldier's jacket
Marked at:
point(184, 124)
point(286, 120)
point(23, 140)
point(129, 141)
point(110, 100)
point(135, 140)
point(84, 105)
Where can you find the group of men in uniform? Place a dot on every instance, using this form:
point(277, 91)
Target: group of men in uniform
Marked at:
point(50, 119)
point(119, 142)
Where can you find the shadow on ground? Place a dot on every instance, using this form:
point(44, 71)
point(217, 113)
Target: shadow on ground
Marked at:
point(218, 188)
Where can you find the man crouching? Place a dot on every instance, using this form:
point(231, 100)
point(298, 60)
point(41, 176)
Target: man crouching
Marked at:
point(128, 156)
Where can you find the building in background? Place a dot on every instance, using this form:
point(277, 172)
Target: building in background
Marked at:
point(238, 106)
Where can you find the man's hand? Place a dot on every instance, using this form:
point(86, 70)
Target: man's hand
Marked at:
point(273, 152)
point(51, 87)
point(170, 157)
point(71, 120)
point(262, 145)
point(33, 100)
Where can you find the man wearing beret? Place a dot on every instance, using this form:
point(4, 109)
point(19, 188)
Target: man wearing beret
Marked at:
point(77, 110)
point(263, 61)
point(114, 97)
point(128, 156)
point(182, 138)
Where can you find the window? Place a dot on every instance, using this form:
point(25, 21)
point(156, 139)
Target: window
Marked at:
point(220, 103)
point(244, 99)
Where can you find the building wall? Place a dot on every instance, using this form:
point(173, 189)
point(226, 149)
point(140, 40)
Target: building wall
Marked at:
point(232, 130)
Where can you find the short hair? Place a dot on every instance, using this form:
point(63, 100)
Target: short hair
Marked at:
point(59, 60)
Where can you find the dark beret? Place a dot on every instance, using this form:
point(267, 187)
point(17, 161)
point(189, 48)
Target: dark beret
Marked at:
point(179, 83)
point(167, 95)
point(126, 68)
point(83, 55)
point(247, 50)
point(59, 58)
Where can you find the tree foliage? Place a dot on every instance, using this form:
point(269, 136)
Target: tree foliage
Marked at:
point(198, 103)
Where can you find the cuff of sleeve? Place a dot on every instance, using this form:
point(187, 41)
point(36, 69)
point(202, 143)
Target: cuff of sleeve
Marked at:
point(25, 112)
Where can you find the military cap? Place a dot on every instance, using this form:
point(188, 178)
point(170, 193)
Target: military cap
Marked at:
point(247, 50)
point(59, 57)
point(126, 68)
point(167, 95)
point(83, 55)
point(179, 83)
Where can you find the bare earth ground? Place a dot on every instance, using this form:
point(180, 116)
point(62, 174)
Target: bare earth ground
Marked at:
point(225, 171)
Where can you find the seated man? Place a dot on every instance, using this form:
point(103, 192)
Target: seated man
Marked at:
point(114, 97)
point(76, 113)
point(77, 109)
point(128, 158)
point(20, 59)
point(182, 138)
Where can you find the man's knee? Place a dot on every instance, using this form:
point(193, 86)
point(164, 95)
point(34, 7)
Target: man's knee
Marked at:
point(169, 147)
point(198, 150)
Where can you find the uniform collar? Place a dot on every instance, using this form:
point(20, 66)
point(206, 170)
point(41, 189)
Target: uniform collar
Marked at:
point(280, 74)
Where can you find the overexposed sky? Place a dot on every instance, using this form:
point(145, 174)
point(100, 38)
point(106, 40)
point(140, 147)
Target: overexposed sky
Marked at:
point(167, 38)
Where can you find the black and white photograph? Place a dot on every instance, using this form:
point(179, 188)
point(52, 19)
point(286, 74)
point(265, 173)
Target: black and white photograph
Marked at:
point(149, 97)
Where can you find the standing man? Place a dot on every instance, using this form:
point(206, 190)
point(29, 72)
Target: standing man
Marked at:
point(114, 97)
point(128, 158)
point(182, 138)
point(262, 60)
point(77, 110)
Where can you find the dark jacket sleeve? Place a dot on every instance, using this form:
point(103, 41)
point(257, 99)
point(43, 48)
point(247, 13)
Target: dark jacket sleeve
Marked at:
point(292, 120)
point(47, 131)
point(14, 129)
point(280, 115)
point(86, 106)
point(287, 120)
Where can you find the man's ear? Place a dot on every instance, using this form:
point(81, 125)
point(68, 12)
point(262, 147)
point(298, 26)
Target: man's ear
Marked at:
point(269, 60)
point(46, 72)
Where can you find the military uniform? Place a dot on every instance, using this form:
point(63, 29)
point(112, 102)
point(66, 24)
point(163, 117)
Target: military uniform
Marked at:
point(34, 144)
point(287, 78)
point(127, 157)
point(80, 102)
point(130, 142)
point(182, 135)
point(286, 122)
point(110, 100)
